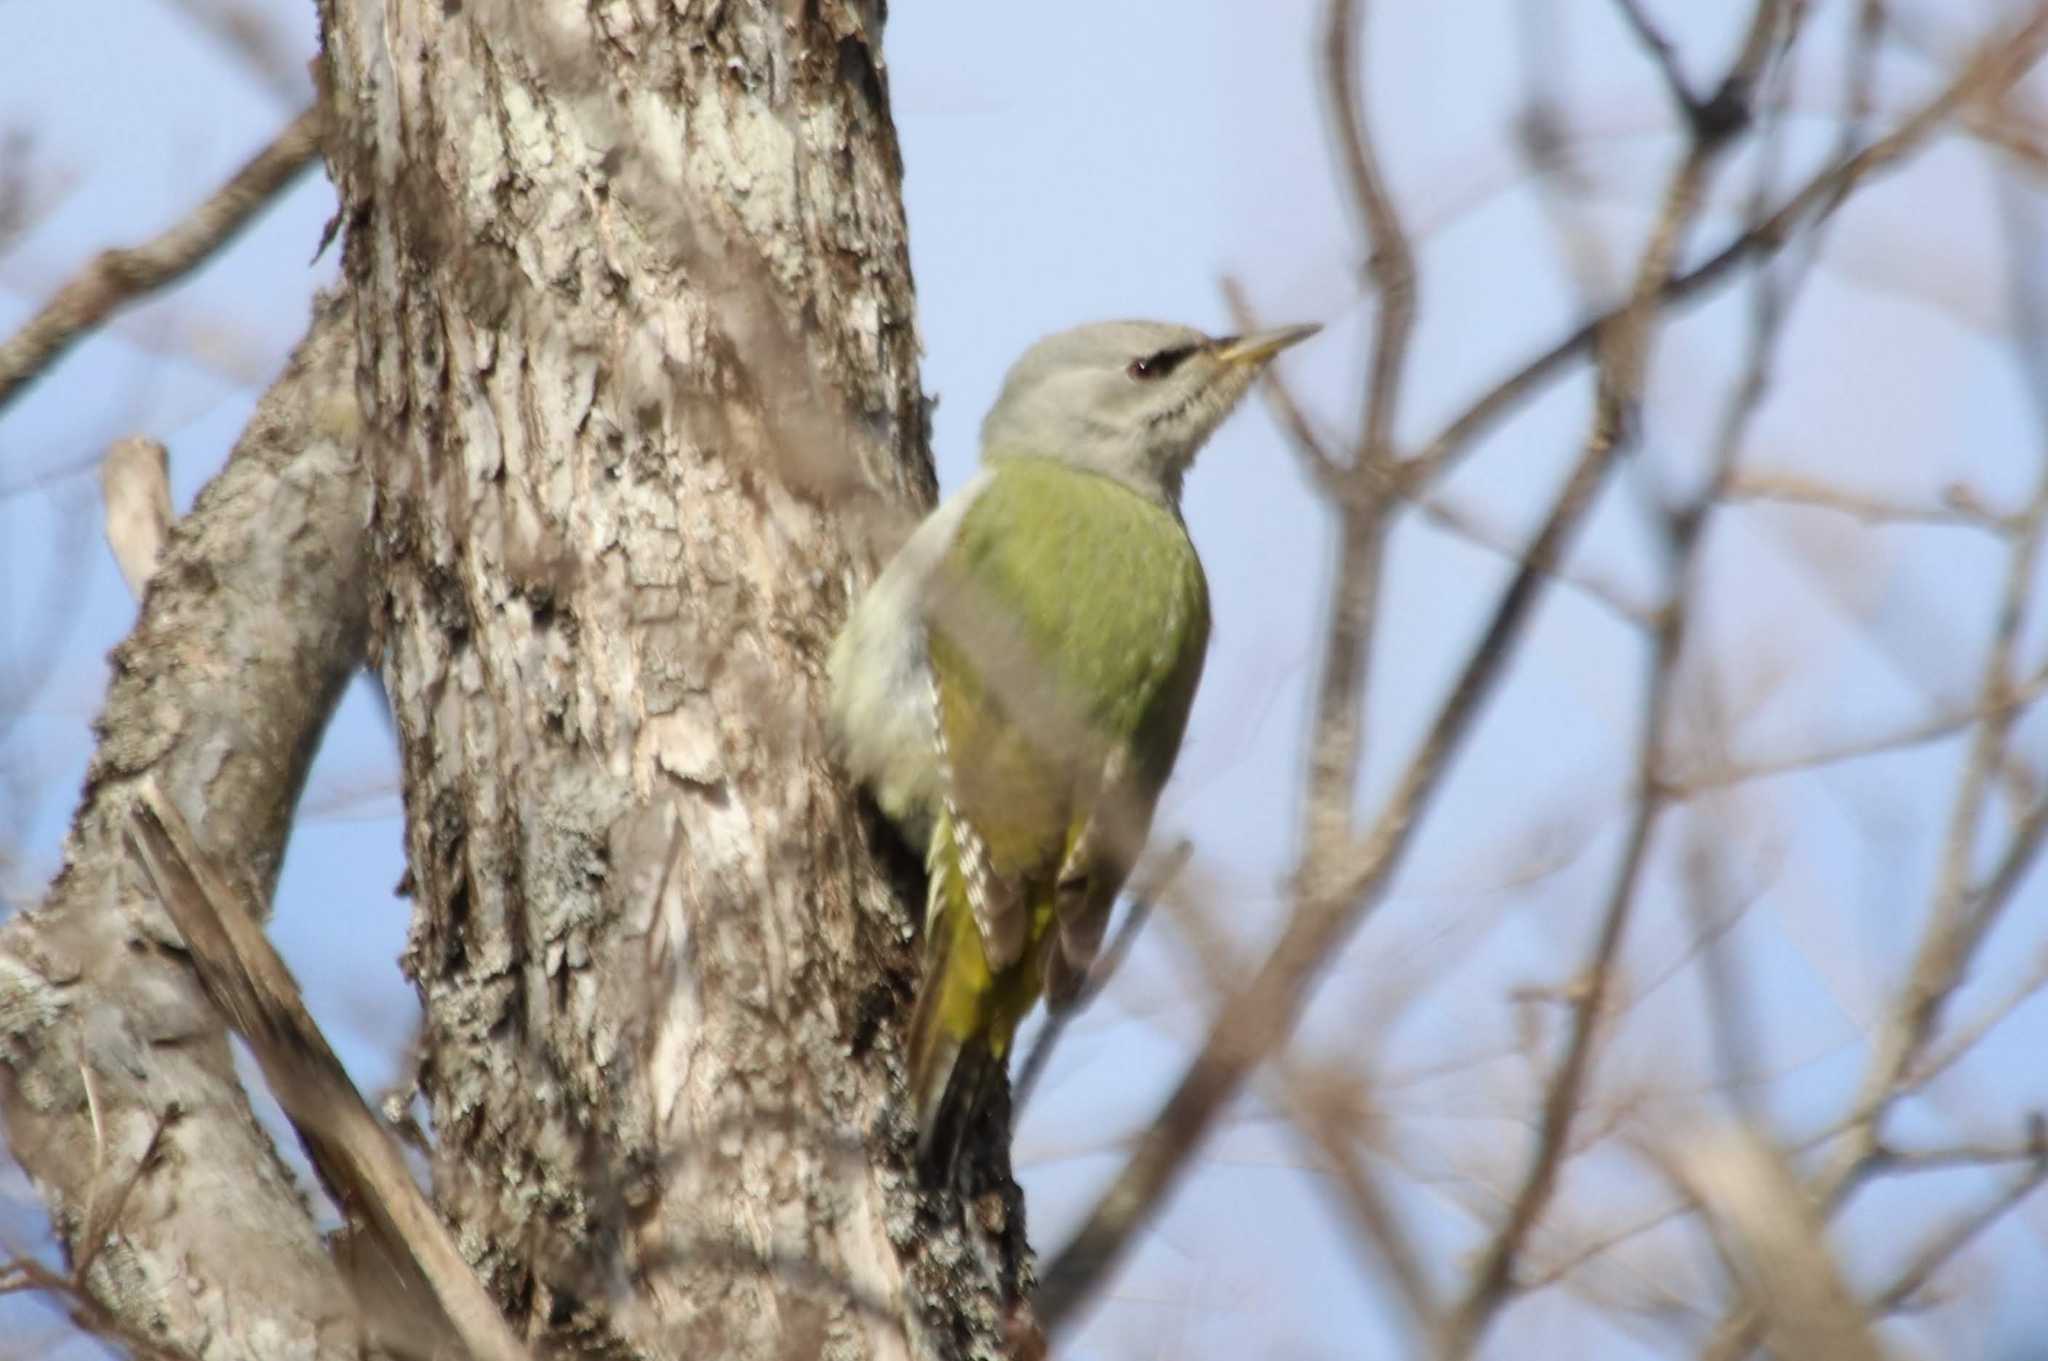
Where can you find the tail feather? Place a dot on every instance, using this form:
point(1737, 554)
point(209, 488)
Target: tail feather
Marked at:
point(933, 1053)
point(954, 1093)
point(954, 1034)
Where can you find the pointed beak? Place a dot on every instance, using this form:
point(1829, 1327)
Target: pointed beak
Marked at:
point(1261, 346)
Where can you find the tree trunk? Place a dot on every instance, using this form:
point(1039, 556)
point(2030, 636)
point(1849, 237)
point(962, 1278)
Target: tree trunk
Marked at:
point(635, 319)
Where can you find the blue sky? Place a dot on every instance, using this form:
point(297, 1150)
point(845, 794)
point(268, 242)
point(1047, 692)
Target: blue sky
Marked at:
point(1072, 160)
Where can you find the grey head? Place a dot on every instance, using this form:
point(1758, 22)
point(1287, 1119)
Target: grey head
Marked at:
point(1133, 400)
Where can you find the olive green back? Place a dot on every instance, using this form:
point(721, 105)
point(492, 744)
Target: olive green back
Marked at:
point(1075, 620)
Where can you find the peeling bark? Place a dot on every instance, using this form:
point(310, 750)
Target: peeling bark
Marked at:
point(636, 335)
point(116, 1081)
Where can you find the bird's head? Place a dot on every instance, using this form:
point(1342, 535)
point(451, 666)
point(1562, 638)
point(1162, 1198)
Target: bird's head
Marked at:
point(1133, 400)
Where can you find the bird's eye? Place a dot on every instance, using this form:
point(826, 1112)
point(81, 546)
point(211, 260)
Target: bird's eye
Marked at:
point(1148, 367)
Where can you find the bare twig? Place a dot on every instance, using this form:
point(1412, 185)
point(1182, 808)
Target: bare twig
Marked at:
point(1961, 509)
point(1333, 1125)
point(245, 34)
point(1339, 752)
point(118, 277)
point(2031, 1149)
point(1961, 915)
point(1962, 1039)
point(1437, 507)
point(1687, 784)
point(257, 994)
point(20, 1273)
point(1942, 1246)
point(1392, 262)
point(1563, 1266)
point(1623, 359)
point(1994, 67)
point(1664, 54)
point(100, 1218)
point(2017, 133)
point(1105, 967)
point(1773, 1240)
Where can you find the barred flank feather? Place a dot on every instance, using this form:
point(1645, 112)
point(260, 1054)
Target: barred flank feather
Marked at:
point(965, 1017)
point(951, 1010)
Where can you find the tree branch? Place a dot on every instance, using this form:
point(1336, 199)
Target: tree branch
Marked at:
point(1775, 1245)
point(1392, 261)
point(359, 1160)
point(1624, 357)
point(1141, 897)
point(1994, 67)
point(118, 277)
point(251, 627)
point(1365, 1205)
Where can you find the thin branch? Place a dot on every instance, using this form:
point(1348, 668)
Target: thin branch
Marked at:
point(1961, 916)
point(1693, 783)
point(1565, 1266)
point(1963, 1039)
point(1338, 754)
point(2032, 1149)
point(1997, 64)
point(256, 993)
point(1493, 1277)
point(1623, 360)
point(1440, 510)
point(1774, 1242)
point(2015, 132)
point(118, 277)
point(1789, 489)
point(1112, 958)
point(1664, 55)
point(1942, 1247)
point(1436, 507)
point(1333, 1131)
point(1392, 261)
point(20, 1273)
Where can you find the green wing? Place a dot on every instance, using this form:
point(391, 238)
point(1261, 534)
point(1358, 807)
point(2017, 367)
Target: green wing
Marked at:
point(1068, 628)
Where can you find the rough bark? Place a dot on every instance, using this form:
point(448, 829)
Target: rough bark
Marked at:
point(636, 316)
point(116, 1080)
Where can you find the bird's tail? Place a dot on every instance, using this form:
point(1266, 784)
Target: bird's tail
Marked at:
point(956, 1041)
point(953, 1083)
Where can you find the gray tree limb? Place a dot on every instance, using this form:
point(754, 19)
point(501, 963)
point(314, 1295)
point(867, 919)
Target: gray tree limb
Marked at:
point(117, 1085)
point(116, 278)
